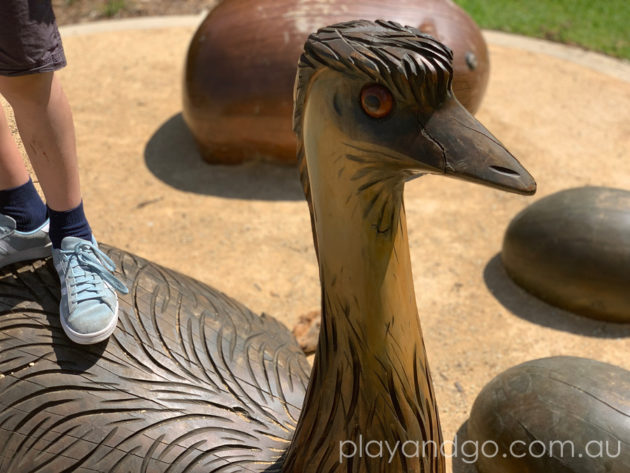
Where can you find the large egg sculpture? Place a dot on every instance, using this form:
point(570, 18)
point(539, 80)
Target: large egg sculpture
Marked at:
point(572, 249)
point(240, 67)
point(553, 415)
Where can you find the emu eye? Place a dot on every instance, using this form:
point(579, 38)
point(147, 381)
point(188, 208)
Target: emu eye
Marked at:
point(376, 101)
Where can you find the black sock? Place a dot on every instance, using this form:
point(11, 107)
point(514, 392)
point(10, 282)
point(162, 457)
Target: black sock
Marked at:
point(68, 223)
point(23, 204)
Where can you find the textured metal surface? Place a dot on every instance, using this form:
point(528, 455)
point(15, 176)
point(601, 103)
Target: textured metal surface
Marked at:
point(572, 249)
point(241, 64)
point(191, 381)
point(555, 415)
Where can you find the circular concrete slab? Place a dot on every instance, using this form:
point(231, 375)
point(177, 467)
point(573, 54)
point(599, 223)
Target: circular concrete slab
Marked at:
point(246, 230)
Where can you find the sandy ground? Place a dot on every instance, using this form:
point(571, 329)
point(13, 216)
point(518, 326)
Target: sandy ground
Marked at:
point(245, 230)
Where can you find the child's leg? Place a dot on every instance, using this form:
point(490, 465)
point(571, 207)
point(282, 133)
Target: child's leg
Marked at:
point(12, 170)
point(19, 199)
point(44, 120)
point(89, 304)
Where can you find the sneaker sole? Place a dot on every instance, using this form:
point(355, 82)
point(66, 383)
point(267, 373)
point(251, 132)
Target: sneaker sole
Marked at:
point(91, 338)
point(27, 255)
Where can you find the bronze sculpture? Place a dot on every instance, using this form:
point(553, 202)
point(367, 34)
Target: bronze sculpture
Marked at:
point(554, 415)
point(241, 65)
point(572, 249)
point(192, 381)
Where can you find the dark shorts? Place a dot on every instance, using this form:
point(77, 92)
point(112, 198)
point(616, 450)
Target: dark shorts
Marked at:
point(29, 38)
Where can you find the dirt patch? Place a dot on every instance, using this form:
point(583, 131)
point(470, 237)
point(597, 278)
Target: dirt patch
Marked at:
point(82, 11)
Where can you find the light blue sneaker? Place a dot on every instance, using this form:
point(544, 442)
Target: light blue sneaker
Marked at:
point(89, 304)
point(16, 246)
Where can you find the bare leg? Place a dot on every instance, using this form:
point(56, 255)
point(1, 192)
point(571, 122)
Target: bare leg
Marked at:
point(12, 170)
point(43, 116)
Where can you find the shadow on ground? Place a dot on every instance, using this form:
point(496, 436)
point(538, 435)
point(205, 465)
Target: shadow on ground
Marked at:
point(172, 156)
point(524, 305)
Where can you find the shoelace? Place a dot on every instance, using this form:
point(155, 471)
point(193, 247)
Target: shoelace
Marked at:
point(89, 284)
point(5, 232)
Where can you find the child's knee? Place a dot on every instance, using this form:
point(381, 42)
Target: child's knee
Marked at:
point(30, 90)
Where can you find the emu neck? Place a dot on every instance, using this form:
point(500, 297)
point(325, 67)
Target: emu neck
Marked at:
point(370, 380)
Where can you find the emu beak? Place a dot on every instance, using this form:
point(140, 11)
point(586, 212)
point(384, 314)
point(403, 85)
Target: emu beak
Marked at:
point(470, 152)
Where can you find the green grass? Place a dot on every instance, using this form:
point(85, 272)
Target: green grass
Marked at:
point(599, 25)
point(112, 7)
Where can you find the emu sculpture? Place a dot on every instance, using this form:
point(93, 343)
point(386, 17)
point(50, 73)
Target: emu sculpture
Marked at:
point(192, 381)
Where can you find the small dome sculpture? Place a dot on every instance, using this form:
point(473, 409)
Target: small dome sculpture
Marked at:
point(572, 250)
point(554, 415)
